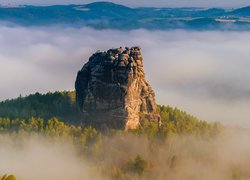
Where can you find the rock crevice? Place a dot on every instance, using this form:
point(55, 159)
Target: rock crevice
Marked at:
point(112, 91)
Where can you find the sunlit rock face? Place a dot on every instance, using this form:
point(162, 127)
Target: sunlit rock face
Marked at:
point(112, 91)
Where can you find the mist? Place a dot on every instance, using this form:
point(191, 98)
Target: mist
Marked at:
point(204, 73)
point(38, 157)
point(180, 157)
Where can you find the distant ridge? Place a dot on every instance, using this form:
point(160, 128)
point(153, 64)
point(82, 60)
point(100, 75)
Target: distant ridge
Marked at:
point(104, 4)
point(107, 15)
point(245, 11)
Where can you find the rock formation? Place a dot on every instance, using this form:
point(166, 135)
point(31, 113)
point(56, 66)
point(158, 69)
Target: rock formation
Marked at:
point(112, 91)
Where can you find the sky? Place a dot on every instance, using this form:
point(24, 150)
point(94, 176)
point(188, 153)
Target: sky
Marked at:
point(143, 3)
point(204, 73)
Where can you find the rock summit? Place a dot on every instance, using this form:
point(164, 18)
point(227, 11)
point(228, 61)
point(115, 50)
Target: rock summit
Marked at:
point(111, 90)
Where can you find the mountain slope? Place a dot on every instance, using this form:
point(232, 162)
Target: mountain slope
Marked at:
point(106, 15)
point(245, 11)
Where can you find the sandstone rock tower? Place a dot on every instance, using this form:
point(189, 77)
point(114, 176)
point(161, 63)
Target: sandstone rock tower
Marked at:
point(112, 91)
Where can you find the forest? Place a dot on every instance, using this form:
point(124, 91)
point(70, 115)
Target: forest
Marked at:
point(38, 111)
point(136, 154)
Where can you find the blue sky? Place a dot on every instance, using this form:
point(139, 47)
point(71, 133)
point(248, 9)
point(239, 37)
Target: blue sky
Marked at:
point(132, 3)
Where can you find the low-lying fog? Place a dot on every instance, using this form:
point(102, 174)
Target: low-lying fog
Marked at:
point(204, 73)
point(39, 158)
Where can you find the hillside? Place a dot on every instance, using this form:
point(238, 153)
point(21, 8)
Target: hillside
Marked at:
point(61, 105)
point(106, 15)
point(58, 104)
point(245, 11)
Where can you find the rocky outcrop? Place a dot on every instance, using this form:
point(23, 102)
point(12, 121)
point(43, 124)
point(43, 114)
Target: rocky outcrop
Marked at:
point(112, 91)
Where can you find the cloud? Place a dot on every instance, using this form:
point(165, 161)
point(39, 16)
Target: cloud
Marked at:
point(204, 73)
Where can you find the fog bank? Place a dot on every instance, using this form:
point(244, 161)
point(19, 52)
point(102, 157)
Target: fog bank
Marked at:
point(204, 73)
point(225, 157)
point(40, 158)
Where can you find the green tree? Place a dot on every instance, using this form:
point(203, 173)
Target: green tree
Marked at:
point(138, 165)
point(55, 127)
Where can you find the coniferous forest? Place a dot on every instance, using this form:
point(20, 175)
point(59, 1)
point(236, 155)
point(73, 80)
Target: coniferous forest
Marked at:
point(55, 117)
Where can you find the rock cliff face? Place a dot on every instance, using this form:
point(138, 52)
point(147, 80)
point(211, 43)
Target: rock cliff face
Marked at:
point(112, 91)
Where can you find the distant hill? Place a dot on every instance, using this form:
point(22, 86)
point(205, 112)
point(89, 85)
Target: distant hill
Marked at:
point(245, 11)
point(106, 15)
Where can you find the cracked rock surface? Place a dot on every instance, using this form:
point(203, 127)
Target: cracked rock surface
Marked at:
point(112, 91)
